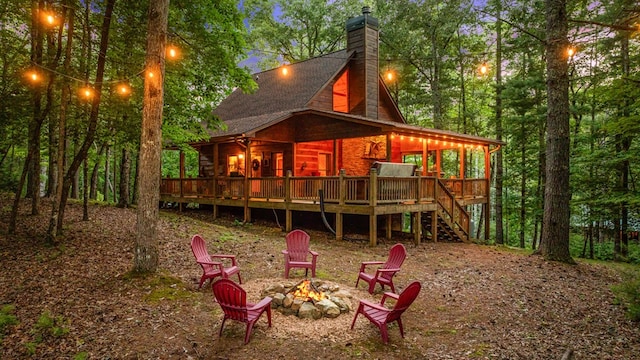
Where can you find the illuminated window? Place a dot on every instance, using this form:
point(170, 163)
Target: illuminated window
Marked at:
point(235, 165)
point(341, 93)
point(278, 164)
point(324, 164)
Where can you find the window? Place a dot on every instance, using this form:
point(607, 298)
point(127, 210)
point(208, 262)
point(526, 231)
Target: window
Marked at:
point(341, 93)
point(235, 165)
point(278, 164)
point(324, 164)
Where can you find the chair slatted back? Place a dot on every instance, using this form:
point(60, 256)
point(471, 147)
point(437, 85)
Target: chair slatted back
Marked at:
point(405, 299)
point(199, 248)
point(298, 245)
point(397, 254)
point(232, 299)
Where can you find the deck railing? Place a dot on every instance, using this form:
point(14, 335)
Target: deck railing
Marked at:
point(337, 189)
point(366, 190)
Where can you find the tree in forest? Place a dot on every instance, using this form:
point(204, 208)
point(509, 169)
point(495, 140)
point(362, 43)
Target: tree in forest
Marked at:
point(554, 244)
point(145, 258)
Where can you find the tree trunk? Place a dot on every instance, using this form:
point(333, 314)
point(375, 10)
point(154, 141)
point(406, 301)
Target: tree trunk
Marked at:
point(93, 115)
point(146, 247)
point(554, 244)
point(65, 97)
point(105, 186)
point(125, 175)
point(499, 164)
point(93, 191)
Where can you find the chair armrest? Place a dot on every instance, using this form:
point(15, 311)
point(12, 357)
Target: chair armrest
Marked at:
point(226, 256)
point(263, 303)
point(389, 295)
point(372, 305)
point(205, 262)
point(364, 264)
point(387, 271)
point(313, 253)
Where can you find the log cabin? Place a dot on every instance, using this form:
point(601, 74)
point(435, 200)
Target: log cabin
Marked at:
point(325, 136)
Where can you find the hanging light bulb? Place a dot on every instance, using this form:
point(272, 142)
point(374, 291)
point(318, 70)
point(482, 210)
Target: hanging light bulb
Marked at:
point(285, 70)
point(172, 52)
point(124, 89)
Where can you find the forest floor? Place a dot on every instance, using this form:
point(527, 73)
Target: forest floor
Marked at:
point(477, 301)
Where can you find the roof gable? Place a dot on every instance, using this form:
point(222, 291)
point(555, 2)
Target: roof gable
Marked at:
point(277, 92)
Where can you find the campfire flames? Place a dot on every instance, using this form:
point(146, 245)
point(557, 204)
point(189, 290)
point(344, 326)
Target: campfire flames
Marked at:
point(306, 291)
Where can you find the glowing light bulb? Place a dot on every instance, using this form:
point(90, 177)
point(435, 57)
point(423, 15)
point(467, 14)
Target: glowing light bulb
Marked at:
point(285, 71)
point(389, 75)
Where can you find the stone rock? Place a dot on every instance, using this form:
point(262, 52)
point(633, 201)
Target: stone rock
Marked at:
point(309, 311)
point(287, 301)
point(277, 299)
point(343, 294)
point(342, 304)
point(328, 308)
point(273, 289)
point(297, 303)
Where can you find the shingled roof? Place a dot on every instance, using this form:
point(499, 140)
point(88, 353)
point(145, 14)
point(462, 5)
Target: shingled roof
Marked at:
point(278, 95)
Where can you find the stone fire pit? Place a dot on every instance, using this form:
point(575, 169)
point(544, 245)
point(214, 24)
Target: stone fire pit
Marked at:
point(309, 298)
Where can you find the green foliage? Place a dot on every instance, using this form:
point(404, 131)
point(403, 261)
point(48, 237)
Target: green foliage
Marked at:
point(7, 318)
point(165, 287)
point(47, 326)
point(628, 293)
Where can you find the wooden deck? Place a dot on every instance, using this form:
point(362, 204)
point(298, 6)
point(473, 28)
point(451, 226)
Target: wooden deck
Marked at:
point(362, 195)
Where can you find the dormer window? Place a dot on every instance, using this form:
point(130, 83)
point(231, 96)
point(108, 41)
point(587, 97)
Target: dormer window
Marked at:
point(341, 93)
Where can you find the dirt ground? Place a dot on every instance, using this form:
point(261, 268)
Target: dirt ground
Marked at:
point(477, 301)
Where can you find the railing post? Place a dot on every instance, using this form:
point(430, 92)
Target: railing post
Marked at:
point(287, 201)
point(342, 187)
point(342, 194)
point(373, 198)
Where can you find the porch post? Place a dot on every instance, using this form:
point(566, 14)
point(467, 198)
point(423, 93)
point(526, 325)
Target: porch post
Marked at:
point(434, 214)
point(487, 204)
point(438, 153)
point(425, 157)
point(288, 226)
point(462, 161)
point(388, 147)
point(373, 198)
point(341, 200)
point(247, 191)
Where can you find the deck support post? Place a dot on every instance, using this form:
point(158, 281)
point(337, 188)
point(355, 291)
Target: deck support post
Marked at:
point(339, 226)
point(388, 224)
point(434, 226)
point(417, 227)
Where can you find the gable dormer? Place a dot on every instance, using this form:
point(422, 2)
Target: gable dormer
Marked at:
point(362, 39)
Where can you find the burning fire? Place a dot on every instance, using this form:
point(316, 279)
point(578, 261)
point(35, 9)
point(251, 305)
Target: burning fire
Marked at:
point(305, 290)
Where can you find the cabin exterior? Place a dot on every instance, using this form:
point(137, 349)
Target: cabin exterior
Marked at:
point(327, 137)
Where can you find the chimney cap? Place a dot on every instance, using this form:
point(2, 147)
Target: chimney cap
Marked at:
point(362, 20)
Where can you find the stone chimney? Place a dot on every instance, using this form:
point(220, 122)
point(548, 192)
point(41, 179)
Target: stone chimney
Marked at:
point(362, 37)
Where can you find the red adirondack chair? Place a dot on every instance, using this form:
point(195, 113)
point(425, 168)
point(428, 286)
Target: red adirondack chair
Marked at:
point(233, 301)
point(381, 316)
point(211, 268)
point(384, 274)
point(296, 255)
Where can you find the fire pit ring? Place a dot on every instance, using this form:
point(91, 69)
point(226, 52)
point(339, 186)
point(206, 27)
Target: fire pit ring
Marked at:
point(309, 299)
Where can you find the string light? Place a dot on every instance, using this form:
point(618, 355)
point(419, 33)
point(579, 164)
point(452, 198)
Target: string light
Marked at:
point(571, 51)
point(483, 69)
point(172, 52)
point(389, 75)
point(124, 89)
point(33, 76)
point(285, 70)
point(87, 92)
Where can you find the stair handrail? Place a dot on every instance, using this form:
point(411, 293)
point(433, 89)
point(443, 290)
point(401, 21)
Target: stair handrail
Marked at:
point(455, 207)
